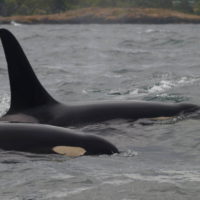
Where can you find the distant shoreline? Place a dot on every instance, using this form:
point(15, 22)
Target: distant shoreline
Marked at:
point(108, 16)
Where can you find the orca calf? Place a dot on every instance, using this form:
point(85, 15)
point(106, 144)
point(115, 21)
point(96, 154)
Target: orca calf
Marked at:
point(40, 138)
point(30, 102)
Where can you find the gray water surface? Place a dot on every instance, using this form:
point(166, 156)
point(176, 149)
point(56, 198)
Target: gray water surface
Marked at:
point(159, 160)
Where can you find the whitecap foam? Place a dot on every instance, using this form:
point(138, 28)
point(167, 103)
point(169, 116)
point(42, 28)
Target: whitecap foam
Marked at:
point(14, 23)
point(165, 85)
point(129, 153)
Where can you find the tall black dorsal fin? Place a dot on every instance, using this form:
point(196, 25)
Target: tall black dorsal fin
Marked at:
point(26, 90)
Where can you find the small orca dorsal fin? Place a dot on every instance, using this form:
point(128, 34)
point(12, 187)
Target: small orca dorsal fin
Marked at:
point(26, 90)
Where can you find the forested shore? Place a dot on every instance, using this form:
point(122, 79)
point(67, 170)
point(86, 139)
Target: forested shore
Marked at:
point(99, 11)
point(107, 16)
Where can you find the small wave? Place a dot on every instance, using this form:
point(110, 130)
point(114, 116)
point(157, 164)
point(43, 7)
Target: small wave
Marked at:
point(32, 37)
point(62, 176)
point(118, 92)
point(169, 176)
point(151, 31)
point(125, 51)
point(126, 70)
point(112, 75)
point(92, 90)
point(127, 43)
point(170, 41)
point(65, 193)
point(117, 182)
point(4, 104)
point(166, 97)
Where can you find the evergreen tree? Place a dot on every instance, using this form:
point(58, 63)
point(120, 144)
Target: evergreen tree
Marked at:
point(2, 7)
point(56, 6)
point(184, 5)
point(163, 3)
point(154, 3)
point(197, 6)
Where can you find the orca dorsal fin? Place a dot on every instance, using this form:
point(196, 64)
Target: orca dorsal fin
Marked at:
point(26, 90)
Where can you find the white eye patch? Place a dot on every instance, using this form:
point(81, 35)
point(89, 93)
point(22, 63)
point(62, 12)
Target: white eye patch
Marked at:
point(69, 151)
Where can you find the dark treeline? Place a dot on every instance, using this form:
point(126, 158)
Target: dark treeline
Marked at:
point(31, 7)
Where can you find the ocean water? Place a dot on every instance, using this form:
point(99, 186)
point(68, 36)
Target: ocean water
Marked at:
point(159, 160)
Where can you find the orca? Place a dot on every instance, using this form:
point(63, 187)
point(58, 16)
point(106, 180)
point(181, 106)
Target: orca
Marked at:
point(30, 102)
point(47, 139)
